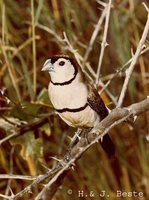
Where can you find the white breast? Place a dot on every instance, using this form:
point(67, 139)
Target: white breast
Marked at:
point(86, 118)
point(73, 96)
point(68, 96)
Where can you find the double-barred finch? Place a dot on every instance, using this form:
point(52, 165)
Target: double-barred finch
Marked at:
point(76, 101)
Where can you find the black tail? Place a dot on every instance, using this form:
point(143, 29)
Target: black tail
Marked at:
point(109, 148)
point(107, 145)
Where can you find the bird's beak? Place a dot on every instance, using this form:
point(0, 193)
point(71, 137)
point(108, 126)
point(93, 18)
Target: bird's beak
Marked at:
point(48, 66)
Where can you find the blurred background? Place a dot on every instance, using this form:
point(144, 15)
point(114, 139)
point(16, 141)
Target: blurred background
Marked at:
point(30, 32)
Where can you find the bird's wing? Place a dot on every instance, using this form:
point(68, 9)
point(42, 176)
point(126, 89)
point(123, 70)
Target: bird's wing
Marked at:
point(96, 102)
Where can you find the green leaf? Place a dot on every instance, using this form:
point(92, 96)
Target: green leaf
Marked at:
point(30, 145)
point(26, 111)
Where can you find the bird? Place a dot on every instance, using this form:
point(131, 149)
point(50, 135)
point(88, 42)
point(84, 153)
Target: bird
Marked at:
point(74, 98)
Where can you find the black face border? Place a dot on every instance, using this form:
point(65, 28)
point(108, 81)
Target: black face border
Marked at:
point(56, 57)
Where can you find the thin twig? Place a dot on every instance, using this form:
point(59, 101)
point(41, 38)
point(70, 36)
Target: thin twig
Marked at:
point(104, 42)
point(132, 65)
point(22, 177)
point(111, 96)
point(94, 35)
point(76, 54)
point(7, 138)
point(10, 171)
point(34, 48)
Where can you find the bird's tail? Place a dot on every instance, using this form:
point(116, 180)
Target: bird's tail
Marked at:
point(107, 145)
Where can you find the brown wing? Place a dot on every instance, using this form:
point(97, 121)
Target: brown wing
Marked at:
point(96, 103)
point(94, 99)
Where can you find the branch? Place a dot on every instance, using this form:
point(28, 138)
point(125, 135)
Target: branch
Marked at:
point(56, 175)
point(134, 60)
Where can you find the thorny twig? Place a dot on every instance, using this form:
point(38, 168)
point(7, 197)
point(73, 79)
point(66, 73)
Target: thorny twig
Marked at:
point(104, 42)
point(94, 35)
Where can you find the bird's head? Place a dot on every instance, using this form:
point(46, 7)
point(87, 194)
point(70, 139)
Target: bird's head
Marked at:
point(60, 68)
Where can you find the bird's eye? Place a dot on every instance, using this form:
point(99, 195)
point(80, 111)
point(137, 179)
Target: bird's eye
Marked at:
point(61, 63)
